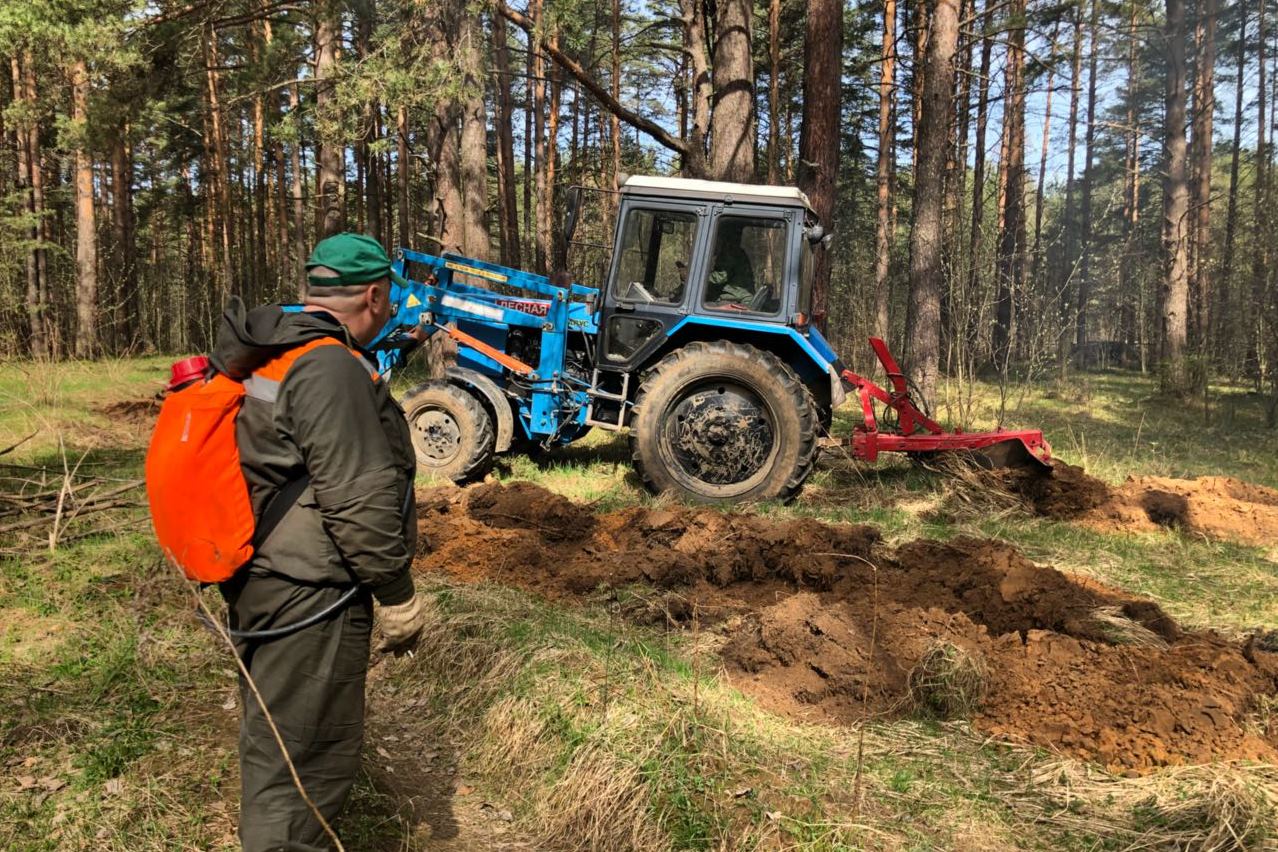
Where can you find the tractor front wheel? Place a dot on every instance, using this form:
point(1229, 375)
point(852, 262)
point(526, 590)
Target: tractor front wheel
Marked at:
point(724, 423)
point(452, 433)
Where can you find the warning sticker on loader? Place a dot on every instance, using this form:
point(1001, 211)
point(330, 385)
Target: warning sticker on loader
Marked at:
point(473, 270)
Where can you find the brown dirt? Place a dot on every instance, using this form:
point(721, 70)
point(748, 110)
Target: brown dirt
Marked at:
point(1217, 507)
point(824, 622)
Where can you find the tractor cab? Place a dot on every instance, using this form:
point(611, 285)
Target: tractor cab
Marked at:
point(727, 254)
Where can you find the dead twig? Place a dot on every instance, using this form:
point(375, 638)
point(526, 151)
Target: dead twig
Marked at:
point(13, 447)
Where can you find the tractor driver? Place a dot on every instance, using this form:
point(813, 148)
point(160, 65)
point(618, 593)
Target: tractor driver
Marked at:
point(731, 280)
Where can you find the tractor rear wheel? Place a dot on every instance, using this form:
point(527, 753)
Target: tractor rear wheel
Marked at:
point(452, 433)
point(724, 423)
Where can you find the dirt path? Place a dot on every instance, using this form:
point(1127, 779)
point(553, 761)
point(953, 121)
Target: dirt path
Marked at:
point(824, 622)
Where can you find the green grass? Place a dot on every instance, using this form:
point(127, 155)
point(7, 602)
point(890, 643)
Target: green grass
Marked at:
point(582, 724)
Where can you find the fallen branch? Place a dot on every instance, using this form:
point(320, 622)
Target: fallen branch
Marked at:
point(35, 522)
point(13, 447)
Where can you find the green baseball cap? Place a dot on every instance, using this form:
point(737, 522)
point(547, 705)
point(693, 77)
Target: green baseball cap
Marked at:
point(355, 258)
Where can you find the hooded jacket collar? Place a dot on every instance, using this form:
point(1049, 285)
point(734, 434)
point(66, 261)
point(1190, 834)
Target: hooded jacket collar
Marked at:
point(248, 339)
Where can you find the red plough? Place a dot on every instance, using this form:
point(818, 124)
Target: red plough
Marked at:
point(917, 433)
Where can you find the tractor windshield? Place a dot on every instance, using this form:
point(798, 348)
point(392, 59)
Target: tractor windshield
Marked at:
point(656, 249)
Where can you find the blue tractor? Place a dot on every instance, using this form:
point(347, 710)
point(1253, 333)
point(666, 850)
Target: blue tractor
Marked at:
point(699, 343)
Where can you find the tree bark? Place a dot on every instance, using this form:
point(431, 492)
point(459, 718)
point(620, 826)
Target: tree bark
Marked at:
point(1200, 197)
point(819, 132)
point(299, 200)
point(732, 114)
point(473, 139)
point(86, 229)
point(694, 40)
point(774, 89)
point(1175, 295)
point(883, 175)
point(923, 320)
point(976, 239)
point(124, 249)
point(1089, 159)
point(1038, 252)
point(1260, 217)
point(550, 158)
point(330, 178)
point(29, 168)
point(1067, 216)
point(509, 209)
point(1011, 252)
point(1231, 215)
point(402, 173)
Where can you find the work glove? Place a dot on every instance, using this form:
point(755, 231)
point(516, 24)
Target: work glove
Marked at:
point(402, 626)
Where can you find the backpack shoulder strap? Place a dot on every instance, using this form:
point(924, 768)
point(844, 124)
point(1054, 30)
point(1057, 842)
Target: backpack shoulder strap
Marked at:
point(277, 507)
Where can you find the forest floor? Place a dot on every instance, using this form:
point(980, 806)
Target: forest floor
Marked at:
point(901, 658)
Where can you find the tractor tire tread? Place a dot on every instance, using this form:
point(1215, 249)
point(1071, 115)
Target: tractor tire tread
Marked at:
point(480, 459)
point(800, 398)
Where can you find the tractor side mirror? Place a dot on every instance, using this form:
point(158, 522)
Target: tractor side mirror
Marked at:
point(814, 234)
point(574, 209)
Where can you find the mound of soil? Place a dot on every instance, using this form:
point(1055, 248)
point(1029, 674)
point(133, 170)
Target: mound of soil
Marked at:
point(1217, 507)
point(822, 621)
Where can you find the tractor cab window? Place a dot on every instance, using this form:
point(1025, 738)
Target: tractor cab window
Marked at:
point(656, 250)
point(747, 265)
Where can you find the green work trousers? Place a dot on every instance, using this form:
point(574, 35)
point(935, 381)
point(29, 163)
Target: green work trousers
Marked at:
point(312, 682)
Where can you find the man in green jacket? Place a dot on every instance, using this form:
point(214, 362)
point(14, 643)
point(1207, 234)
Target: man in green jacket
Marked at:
point(331, 422)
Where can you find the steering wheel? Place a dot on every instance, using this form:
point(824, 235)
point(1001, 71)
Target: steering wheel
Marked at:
point(760, 298)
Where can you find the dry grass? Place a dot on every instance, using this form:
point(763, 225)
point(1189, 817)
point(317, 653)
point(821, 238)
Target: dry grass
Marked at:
point(948, 682)
point(1213, 808)
point(1118, 629)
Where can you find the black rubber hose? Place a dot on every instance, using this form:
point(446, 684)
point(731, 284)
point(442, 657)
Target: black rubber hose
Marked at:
point(277, 632)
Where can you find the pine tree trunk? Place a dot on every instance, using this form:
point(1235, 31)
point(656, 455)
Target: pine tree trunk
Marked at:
point(694, 41)
point(819, 133)
point(218, 166)
point(330, 178)
point(1200, 197)
point(473, 165)
point(887, 142)
point(1131, 320)
point(541, 242)
point(86, 230)
point(129, 303)
point(402, 177)
point(28, 144)
point(1039, 251)
point(1011, 244)
point(299, 200)
point(1175, 296)
point(976, 239)
point(550, 156)
point(1260, 217)
point(774, 89)
point(923, 320)
point(1231, 216)
point(508, 207)
point(1085, 260)
point(614, 126)
point(1063, 335)
point(732, 113)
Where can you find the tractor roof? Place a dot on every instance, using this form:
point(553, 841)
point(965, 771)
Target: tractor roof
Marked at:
point(713, 190)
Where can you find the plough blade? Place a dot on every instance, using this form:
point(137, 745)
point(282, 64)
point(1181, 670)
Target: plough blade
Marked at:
point(1009, 453)
point(919, 435)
